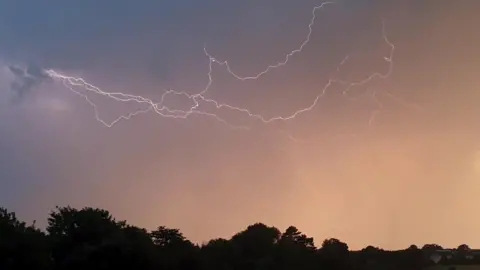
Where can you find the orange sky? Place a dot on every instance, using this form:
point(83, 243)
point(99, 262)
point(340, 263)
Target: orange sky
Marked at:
point(411, 178)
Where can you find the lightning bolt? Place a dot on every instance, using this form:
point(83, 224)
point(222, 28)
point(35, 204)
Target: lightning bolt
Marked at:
point(199, 98)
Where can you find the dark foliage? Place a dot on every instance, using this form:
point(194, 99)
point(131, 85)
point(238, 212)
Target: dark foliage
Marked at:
point(92, 239)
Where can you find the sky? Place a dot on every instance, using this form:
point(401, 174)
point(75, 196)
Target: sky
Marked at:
point(394, 162)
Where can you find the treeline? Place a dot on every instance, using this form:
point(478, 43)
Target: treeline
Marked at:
point(92, 239)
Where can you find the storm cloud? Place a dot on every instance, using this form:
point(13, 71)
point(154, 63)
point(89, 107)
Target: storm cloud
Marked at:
point(27, 79)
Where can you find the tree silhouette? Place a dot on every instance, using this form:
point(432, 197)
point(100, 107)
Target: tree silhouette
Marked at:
point(91, 238)
point(84, 238)
point(218, 254)
point(334, 254)
point(164, 237)
point(463, 248)
point(295, 250)
point(176, 251)
point(254, 248)
point(294, 236)
point(412, 247)
point(21, 246)
point(431, 247)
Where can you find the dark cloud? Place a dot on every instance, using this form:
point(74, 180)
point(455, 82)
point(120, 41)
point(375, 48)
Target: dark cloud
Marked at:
point(89, 33)
point(26, 79)
point(121, 36)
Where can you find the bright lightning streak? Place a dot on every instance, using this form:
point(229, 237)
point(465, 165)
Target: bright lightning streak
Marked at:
point(287, 57)
point(323, 90)
point(161, 109)
point(388, 59)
